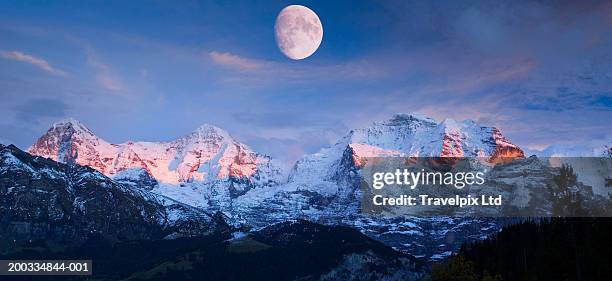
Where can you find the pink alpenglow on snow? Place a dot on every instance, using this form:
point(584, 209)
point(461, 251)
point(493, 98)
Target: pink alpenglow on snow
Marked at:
point(207, 154)
point(361, 151)
point(408, 135)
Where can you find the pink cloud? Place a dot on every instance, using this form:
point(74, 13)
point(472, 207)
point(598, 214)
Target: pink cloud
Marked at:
point(38, 62)
point(235, 61)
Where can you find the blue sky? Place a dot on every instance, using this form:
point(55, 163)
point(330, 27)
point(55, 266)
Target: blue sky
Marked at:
point(541, 71)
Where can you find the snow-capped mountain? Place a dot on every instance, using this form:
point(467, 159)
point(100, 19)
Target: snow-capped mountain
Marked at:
point(208, 154)
point(67, 209)
point(325, 186)
point(208, 169)
point(408, 135)
point(335, 168)
point(44, 199)
point(330, 177)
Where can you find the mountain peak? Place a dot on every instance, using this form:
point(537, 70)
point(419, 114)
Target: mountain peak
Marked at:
point(399, 119)
point(70, 122)
point(207, 152)
point(208, 131)
point(67, 121)
point(410, 135)
point(65, 140)
point(206, 128)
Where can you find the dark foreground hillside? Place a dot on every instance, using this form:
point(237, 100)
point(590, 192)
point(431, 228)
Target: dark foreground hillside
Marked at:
point(289, 251)
point(549, 249)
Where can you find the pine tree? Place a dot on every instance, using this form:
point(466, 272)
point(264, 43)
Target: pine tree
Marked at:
point(566, 202)
point(458, 268)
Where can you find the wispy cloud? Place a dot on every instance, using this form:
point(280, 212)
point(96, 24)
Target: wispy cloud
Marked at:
point(234, 61)
point(38, 62)
point(481, 76)
point(252, 72)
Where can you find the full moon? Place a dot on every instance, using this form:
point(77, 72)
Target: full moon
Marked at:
point(298, 32)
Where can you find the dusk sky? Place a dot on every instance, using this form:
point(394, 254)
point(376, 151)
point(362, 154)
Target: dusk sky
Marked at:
point(541, 71)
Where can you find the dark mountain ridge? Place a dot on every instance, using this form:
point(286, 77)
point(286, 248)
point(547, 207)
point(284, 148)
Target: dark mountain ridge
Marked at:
point(44, 199)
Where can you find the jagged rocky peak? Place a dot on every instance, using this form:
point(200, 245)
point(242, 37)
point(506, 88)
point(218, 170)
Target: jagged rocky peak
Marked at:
point(66, 130)
point(207, 132)
point(207, 153)
point(71, 124)
point(69, 141)
point(409, 135)
point(402, 119)
point(71, 129)
point(419, 135)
